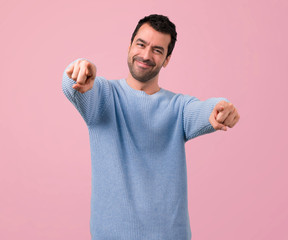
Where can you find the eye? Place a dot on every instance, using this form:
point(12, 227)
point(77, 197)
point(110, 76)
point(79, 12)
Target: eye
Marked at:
point(158, 51)
point(140, 44)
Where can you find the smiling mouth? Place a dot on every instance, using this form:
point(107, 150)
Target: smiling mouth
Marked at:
point(143, 64)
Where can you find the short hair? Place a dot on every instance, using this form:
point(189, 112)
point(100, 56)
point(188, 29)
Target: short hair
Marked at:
point(161, 24)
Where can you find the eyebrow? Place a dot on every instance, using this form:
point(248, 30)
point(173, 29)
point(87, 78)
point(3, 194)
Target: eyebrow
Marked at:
point(155, 47)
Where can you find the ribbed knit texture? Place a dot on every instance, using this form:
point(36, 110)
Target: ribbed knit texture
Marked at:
point(137, 141)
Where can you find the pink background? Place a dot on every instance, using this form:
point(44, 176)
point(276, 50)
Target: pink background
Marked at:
point(238, 179)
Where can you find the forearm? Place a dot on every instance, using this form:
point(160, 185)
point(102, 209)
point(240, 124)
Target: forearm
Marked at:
point(196, 117)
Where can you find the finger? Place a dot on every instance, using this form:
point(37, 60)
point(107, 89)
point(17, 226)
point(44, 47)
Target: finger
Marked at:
point(82, 77)
point(230, 119)
point(215, 124)
point(75, 70)
point(218, 126)
point(69, 70)
point(236, 119)
point(90, 74)
point(219, 107)
point(83, 88)
point(78, 87)
point(89, 70)
point(90, 81)
point(222, 116)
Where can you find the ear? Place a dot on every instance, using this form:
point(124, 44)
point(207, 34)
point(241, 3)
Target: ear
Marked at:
point(166, 61)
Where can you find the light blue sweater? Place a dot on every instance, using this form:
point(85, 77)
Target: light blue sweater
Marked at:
point(137, 141)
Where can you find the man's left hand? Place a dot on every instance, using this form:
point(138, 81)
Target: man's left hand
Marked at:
point(224, 115)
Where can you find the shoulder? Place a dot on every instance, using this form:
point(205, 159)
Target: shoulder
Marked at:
point(179, 97)
point(101, 81)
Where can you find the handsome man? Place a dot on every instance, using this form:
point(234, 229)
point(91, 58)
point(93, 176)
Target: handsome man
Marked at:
point(137, 135)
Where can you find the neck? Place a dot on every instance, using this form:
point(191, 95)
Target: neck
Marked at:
point(150, 87)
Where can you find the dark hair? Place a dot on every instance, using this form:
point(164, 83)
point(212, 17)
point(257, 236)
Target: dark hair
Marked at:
point(161, 24)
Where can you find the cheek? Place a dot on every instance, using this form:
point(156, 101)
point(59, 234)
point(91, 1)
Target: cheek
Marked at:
point(130, 53)
point(160, 60)
point(134, 51)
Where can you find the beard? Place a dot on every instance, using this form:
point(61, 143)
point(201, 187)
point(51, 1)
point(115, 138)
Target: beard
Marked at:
point(143, 75)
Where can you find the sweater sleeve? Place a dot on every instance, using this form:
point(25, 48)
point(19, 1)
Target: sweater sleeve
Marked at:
point(196, 115)
point(90, 104)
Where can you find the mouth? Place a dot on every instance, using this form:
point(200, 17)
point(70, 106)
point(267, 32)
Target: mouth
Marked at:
point(143, 64)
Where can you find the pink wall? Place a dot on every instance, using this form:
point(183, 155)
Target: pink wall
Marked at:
point(236, 49)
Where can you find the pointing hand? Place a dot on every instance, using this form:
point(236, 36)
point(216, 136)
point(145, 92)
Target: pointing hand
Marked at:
point(83, 73)
point(224, 115)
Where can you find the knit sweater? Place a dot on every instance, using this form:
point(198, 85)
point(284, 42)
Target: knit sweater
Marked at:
point(137, 142)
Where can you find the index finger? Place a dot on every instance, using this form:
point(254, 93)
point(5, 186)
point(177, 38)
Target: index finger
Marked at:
point(219, 107)
point(82, 77)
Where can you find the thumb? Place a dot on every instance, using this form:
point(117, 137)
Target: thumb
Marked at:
point(215, 124)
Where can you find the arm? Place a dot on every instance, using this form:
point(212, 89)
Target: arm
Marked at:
point(88, 93)
point(197, 117)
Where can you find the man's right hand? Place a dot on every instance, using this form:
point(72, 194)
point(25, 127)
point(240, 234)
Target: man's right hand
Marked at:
point(83, 73)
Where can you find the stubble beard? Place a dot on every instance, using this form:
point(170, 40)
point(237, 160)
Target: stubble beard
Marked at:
point(144, 77)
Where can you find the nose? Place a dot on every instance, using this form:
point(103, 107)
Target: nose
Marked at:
point(147, 53)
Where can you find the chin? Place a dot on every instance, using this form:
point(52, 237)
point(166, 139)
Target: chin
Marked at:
point(141, 79)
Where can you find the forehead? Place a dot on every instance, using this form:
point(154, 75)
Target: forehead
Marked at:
point(153, 37)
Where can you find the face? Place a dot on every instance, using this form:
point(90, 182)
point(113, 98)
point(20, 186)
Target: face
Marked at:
point(147, 53)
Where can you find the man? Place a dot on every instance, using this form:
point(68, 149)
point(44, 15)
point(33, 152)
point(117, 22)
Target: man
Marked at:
point(137, 135)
